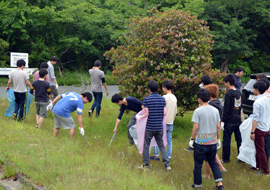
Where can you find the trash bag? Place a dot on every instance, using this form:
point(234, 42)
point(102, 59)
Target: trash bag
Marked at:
point(11, 98)
point(133, 133)
point(141, 121)
point(247, 149)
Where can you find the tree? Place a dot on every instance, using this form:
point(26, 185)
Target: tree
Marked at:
point(171, 45)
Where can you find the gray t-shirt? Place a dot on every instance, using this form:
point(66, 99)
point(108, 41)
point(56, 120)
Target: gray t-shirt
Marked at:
point(51, 74)
point(207, 117)
point(18, 77)
point(96, 77)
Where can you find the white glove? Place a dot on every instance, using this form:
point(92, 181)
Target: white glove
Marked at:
point(222, 126)
point(56, 86)
point(218, 144)
point(191, 142)
point(50, 101)
point(81, 131)
point(49, 107)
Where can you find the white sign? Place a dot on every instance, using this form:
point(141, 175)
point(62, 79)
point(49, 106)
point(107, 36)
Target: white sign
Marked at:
point(252, 97)
point(14, 57)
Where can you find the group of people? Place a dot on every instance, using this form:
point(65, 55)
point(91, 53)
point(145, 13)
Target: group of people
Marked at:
point(207, 118)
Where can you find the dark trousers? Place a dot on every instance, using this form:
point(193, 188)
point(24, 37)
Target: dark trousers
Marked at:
point(131, 122)
point(97, 103)
point(202, 152)
point(230, 128)
point(19, 103)
point(54, 92)
point(261, 158)
point(147, 140)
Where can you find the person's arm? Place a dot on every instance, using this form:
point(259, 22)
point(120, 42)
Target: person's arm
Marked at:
point(50, 97)
point(56, 99)
point(226, 108)
point(116, 125)
point(32, 88)
point(165, 111)
point(256, 116)
point(28, 83)
point(254, 125)
point(9, 83)
point(194, 130)
point(54, 80)
point(218, 130)
point(80, 120)
point(122, 110)
point(105, 86)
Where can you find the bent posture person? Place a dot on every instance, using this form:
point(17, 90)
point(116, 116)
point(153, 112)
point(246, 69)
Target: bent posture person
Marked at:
point(128, 103)
point(69, 102)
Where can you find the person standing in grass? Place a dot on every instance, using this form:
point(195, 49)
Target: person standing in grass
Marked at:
point(206, 80)
point(69, 102)
point(98, 78)
point(231, 117)
point(171, 106)
point(128, 103)
point(206, 134)
point(154, 106)
point(43, 65)
point(53, 82)
point(42, 88)
point(260, 126)
point(20, 79)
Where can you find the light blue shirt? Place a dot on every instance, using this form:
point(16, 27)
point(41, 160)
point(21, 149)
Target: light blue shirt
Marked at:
point(261, 112)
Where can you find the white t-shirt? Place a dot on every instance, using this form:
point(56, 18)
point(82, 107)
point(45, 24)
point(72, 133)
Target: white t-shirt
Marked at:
point(171, 106)
point(18, 77)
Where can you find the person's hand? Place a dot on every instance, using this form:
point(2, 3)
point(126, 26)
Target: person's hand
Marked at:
point(252, 137)
point(7, 89)
point(50, 101)
point(49, 107)
point(218, 144)
point(115, 130)
point(56, 86)
point(81, 131)
point(107, 92)
point(191, 143)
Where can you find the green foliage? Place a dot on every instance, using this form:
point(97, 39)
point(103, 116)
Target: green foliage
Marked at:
point(260, 63)
point(3, 52)
point(172, 45)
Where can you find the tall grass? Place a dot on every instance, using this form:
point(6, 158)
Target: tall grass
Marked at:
point(59, 163)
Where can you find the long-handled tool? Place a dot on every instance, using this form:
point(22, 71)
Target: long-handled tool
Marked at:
point(86, 140)
point(112, 139)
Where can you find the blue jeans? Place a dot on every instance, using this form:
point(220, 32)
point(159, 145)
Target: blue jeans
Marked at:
point(202, 152)
point(97, 103)
point(169, 130)
point(19, 102)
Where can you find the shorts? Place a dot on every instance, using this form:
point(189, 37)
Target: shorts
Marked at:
point(41, 108)
point(65, 122)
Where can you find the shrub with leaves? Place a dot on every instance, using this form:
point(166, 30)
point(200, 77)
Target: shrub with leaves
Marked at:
point(170, 45)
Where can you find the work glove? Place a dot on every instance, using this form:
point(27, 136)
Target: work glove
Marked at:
point(56, 86)
point(49, 107)
point(81, 131)
point(218, 144)
point(191, 142)
point(50, 101)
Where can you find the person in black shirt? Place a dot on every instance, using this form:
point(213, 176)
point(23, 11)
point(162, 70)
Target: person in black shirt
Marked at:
point(129, 103)
point(42, 88)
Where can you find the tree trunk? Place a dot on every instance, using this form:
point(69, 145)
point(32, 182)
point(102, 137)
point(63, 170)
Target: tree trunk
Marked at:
point(224, 66)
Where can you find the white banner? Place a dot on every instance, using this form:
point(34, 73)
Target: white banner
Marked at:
point(14, 57)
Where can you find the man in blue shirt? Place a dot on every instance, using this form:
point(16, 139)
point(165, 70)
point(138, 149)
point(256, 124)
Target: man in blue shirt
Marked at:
point(129, 103)
point(238, 74)
point(69, 102)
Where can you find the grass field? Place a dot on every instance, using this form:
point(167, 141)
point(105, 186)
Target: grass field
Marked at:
point(59, 163)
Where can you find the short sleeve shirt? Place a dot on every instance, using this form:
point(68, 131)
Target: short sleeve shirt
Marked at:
point(42, 88)
point(133, 104)
point(69, 102)
point(51, 73)
point(155, 104)
point(207, 117)
point(36, 77)
point(18, 77)
point(96, 78)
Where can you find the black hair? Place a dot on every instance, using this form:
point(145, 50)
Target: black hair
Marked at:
point(20, 63)
point(44, 65)
point(54, 58)
point(204, 95)
point(266, 81)
point(116, 98)
point(261, 76)
point(229, 78)
point(167, 84)
point(88, 95)
point(206, 80)
point(97, 63)
point(240, 69)
point(260, 86)
point(153, 86)
point(42, 73)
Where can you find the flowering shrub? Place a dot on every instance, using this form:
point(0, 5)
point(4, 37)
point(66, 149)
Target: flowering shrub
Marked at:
point(170, 45)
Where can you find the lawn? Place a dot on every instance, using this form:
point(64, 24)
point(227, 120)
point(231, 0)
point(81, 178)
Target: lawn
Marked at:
point(59, 163)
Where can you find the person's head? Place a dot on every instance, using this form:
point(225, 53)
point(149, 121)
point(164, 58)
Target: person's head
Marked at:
point(203, 96)
point(43, 73)
point(97, 63)
point(229, 80)
point(152, 86)
point(261, 76)
point(259, 88)
point(213, 90)
point(239, 72)
point(44, 65)
point(53, 60)
point(21, 63)
point(167, 86)
point(206, 80)
point(86, 97)
point(266, 81)
point(117, 98)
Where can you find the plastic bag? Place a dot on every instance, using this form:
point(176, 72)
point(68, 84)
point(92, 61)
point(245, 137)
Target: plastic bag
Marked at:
point(247, 149)
point(141, 127)
point(133, 133)
point(11, 98)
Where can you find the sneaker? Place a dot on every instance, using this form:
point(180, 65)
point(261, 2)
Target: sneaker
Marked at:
point(253, 168)
point(131, 142)
point(154, 158)
point(143, 167)
point(37, 125)
point(222, 172)
point(189, 149)
point(20, 119)
point(260, 173)
point(225, 161)
point(14, 116)
point(90, 113)
point(193, 186)
point(219, 187)
point(168, 168)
